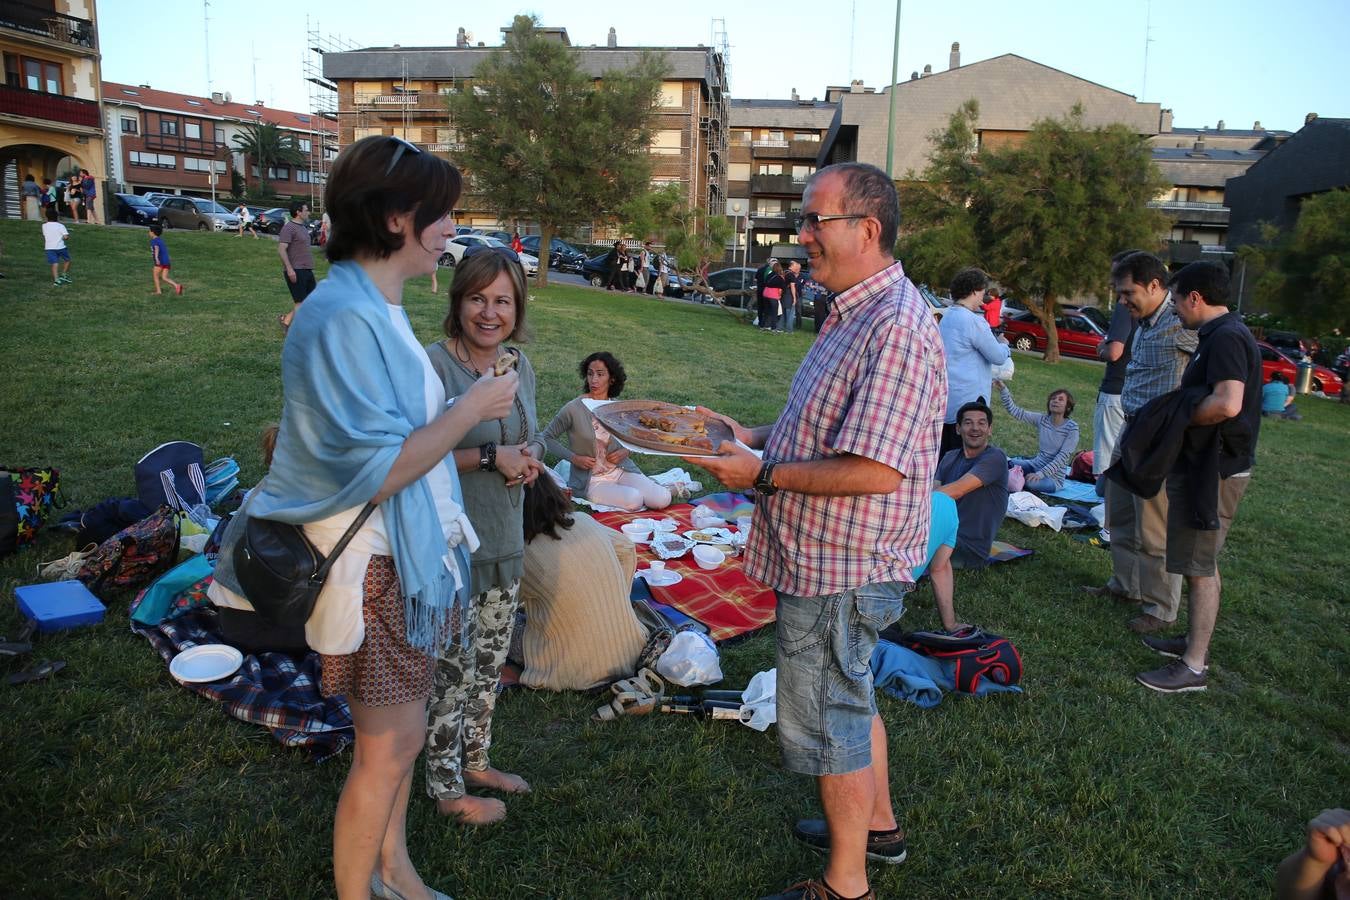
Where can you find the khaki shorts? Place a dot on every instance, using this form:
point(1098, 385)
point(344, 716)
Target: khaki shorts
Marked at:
point(1189, 550)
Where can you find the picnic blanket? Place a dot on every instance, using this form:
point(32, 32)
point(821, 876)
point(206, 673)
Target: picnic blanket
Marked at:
point(1002, 551)
point(724, 599)
point(1077, 492)
point(273, 690)
point(727, 504)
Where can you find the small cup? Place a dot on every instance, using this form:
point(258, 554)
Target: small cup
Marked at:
point(657, 566)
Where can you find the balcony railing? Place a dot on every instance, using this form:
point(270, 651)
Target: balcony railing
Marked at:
point(777, 184)
point(52, 107)
point(444, 146)
point(424, 100)
point(1186, 204)
point(779, 144)
point(43, 22)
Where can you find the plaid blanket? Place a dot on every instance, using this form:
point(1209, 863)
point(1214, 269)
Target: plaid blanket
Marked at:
point(724, 599)
point(726, 504)
point(273, 690)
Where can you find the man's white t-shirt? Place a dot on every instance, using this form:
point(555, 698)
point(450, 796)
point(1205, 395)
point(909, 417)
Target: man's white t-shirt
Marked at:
point(54, 235)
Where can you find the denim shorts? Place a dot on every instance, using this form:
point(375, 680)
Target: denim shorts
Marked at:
point(825, 696)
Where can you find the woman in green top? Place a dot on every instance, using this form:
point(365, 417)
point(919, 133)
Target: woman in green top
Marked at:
point(495, 460)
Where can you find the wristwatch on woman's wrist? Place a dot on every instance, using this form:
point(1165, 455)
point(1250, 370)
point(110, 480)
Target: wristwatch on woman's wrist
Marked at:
point(487, 457)
point(764, 485)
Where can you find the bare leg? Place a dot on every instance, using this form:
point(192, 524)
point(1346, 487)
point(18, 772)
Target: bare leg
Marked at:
point(55, 273)
point(374, 799)
point(849, 801)
point(154, 270)
point(1204, 609)
point(883, 814)
point(435, 289)
point(944, 586)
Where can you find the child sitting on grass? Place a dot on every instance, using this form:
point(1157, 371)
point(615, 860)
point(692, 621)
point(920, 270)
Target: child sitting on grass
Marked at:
point(54, 236)
point(159, 253)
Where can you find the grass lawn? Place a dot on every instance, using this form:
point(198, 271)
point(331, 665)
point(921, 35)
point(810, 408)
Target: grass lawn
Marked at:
point(117, 782)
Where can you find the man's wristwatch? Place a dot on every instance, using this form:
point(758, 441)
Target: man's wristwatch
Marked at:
point(487, 457)
point(764, 480)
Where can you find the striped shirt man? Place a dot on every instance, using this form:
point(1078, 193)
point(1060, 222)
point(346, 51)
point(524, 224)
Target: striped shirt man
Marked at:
point(873, 385)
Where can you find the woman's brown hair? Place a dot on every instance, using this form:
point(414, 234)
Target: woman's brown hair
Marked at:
point(546, 509)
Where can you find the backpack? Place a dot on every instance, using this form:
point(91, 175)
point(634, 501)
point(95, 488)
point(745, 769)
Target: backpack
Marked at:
point(171, 474)
point(222, 477)
point(1081, 467)
point(976, 653)
point(135, 556)
point(27, 496)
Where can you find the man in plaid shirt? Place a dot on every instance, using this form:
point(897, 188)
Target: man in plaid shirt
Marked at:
point(843, 513)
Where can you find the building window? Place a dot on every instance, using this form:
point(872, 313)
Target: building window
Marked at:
point(667, 143)
point(279, 173)
point(168, 126)
point(193, 164)
point(129, 126)
point(770, 169)
point(358, 133)
point(304, 176)
point(220, 137)
point(807, 136)
point(153, 160)
point(672, 95)
point(305, 145)
point(37, 74)
point(801, 173)
point(192, 130)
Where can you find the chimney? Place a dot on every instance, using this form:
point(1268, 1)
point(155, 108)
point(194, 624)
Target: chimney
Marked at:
point(1220, 126)
point(913, 76)
point(613, 38)
point(146, 86)
point(855, 86)
point(927, 70)
point(795, 98)
point(954, 60)
point(217, 97)
point(1307, 120)
point(1256, 126)
point(1198, 148)
point(461, 38)
point(1164, 121)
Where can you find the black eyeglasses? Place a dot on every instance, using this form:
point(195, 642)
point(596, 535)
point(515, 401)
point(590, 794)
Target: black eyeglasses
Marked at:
point(403, 147)
point(812, 221)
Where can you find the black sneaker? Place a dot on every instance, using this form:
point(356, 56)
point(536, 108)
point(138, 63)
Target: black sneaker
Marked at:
point(1174, 678)
point(882, 846)
point(1175, 647)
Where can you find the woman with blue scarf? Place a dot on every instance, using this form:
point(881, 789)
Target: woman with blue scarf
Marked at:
point(366, 419)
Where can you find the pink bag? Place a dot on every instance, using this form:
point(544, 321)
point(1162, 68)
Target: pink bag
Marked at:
point(773, 293)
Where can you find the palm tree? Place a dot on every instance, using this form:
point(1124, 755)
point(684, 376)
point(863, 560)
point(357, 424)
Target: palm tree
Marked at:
point(268, 145)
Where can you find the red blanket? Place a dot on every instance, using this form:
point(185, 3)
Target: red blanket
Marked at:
point(724, 599)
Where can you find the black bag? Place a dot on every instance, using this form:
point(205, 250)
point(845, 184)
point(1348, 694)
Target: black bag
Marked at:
point(280, 571)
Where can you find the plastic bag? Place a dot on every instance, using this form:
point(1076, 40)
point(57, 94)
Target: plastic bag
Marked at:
point(690, 659)
point(1003, 371)
point(760, 699)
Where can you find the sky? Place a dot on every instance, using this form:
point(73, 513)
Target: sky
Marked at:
point(1239, 61)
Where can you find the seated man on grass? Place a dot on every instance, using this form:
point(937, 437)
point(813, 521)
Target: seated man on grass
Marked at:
point(975, 475)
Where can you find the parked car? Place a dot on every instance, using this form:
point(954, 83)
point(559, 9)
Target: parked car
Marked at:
point(561, 255)
point(738, 283)
point(465, 229)
point(1342, 364)
point(503, 236)
point(134, 210)
point(1078, 334)
point(458, 245)
point(157, 197)
point(196, 212)
point(1274, 360)
point(1099, 318)
point(271, 220)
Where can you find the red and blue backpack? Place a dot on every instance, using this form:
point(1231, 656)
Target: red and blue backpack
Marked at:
point(976, 653)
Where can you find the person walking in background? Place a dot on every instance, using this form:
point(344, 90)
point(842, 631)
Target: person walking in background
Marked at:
point(47, 199)
point(842, 519)
point(971, 349)
point(73, 197)
point(159, 260)
point(1159, 352)
point(296, 259)
point(89, 190)
point(1057, 439)
point(32, 206)
point(644, 259)
point(662, 276)
point(614, 268)
point(517, 246)
point(775, 289)
point(245, 221)
point(54, 237)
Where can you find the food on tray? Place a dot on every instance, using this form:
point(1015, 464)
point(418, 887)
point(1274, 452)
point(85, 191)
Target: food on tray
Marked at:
point(653, 425)
point(701, 536)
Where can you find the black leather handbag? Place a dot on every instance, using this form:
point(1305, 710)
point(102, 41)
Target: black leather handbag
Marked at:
point(281, 572)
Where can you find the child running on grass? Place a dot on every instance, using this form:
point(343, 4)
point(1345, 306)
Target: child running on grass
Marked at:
point(54, 236)
point(159, 253)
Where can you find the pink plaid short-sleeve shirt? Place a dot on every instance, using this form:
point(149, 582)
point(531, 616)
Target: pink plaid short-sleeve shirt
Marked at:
point(874, 384)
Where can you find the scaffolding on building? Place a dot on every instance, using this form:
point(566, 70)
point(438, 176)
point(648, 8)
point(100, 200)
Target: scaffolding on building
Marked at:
point(323, 107)
point(713, 123)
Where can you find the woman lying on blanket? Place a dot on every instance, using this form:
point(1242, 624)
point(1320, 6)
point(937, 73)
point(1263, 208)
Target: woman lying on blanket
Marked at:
point(364, 419)
point(601, 473)
point(1058, 439)
point(495, 460)
point(580, 629)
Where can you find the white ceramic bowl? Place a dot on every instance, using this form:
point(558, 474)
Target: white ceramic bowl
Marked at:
point(708, 557)
point(636, 532)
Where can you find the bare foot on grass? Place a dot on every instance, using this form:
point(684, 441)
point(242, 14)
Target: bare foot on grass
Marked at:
point(471, 810)
point(496, 780)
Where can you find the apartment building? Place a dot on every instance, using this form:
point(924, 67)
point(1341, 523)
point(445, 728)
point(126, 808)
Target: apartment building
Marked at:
point(166, 141)
point(774, 146)
point(49, 102)
point(401, 91)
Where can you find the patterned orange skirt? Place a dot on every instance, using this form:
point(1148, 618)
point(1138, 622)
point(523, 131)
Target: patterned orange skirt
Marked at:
point(385, 669)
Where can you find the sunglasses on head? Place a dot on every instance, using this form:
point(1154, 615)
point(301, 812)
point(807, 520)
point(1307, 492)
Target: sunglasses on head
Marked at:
point(507, 252)
point(403, 147)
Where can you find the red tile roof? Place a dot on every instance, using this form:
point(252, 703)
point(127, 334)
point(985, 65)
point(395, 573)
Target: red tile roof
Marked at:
point(208, 108)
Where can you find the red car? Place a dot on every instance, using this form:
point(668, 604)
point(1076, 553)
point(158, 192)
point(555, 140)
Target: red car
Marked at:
point(1272, 360)
point(1078, 335)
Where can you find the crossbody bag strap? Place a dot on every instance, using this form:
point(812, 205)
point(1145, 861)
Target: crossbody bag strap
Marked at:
point(322, 572)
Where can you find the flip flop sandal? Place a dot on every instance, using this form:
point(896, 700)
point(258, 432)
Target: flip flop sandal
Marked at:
point(37, 672)
point(634, 696)
point(14, 648)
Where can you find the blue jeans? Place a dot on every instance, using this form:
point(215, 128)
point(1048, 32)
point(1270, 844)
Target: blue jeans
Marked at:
point(789, 315)
point(1039, 485)
point(825, 696)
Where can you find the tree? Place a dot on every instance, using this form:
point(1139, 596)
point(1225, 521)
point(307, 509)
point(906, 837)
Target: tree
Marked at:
point(544, 141)
point(689, 233)
point(268, 146)
point(1305, 274)
point(1043, 217)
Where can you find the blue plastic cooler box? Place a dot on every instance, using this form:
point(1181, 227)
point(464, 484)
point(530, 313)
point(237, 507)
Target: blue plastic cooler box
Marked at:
point(59, 605)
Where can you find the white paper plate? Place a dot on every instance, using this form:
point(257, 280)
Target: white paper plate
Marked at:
point(710, 536)
point(663, 578)
point(207, 662)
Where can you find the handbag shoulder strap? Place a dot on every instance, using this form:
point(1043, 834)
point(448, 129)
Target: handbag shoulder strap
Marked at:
point(322, 572)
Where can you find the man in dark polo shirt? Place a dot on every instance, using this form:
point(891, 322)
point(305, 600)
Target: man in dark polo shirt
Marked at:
point(296, 258)
point(1228, 363)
